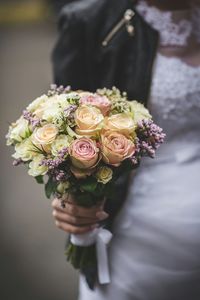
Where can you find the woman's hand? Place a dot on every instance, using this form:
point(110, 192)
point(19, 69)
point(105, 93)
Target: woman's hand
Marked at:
point(77, 219)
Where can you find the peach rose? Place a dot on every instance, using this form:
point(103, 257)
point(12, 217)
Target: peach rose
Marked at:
point(116, 148)
point(88, 120)
point(44, 136)
point(101, 102)
point(84, 153)
point(122, 123)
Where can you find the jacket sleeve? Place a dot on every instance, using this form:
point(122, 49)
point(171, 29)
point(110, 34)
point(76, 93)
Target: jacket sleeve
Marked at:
point(68, 56)
point(114, 204)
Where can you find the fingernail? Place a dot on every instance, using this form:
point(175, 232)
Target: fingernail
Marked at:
point(101, 215)
point(57, 223)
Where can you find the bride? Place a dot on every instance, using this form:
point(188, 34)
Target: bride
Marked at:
point(154, 253)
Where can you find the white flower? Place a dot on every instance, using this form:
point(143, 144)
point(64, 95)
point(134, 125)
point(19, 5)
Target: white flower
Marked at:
point(36, 104)
point(18, 131)
point(24, 150)
point(72, 95)
point(62, 100)
point(59, 143)
point(139, 112)
point(35, 167)
point(104, 174)
point(51, 112)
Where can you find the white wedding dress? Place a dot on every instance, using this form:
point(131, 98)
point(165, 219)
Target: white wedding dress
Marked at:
point(155, 250)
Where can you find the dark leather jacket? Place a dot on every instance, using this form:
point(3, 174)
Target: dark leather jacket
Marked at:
point(81, 60)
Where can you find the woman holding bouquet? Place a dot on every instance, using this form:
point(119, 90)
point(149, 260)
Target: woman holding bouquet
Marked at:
point(151, 49)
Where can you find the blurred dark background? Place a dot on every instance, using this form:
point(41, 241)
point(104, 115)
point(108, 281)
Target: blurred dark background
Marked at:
point(32, 260)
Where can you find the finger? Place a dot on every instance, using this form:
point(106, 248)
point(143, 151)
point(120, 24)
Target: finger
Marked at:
point(78, 211)
point(63, 217)
point(69, 208)
point(91, 213)
point(73, 229)
point(71, 200)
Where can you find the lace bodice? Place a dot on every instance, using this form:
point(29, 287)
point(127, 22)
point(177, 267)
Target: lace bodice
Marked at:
point(175, 91)
point(175, 98)
point(175, 27)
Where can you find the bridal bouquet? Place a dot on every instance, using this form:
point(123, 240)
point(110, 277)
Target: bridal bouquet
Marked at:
point(79, 143)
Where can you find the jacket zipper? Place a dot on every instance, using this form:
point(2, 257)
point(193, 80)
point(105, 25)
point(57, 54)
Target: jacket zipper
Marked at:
point(128, 15)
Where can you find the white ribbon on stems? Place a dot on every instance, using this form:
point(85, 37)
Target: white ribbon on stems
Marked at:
point(101, 237)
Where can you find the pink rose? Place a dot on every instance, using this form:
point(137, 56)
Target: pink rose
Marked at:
point(101, 102)
point(84, 153)
point(116, 148)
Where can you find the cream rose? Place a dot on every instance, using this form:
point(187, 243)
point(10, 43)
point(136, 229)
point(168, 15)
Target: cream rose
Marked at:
point(35, 167)
point(24, 150)
point(139, 112)
point(61, 141)
point(104, 174)
point(116, 148)
point(101, 102)
point(18, 131)
point(88, 120)
point(44, 136)
point(84, 153)
point(122, 123)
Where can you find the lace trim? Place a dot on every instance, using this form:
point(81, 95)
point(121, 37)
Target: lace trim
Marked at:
point(171, 32)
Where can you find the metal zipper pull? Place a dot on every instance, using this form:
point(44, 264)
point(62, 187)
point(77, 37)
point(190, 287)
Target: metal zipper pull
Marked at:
point(128, 15)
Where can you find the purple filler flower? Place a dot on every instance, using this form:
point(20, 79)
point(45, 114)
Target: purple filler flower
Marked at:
point(33, 121)
point(57, 90)
point(17, 162)
point(70, 110)
point(150, 137)
point(53, 163)
point(69, 113)
point(61, 176)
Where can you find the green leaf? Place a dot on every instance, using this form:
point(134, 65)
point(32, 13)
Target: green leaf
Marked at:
point(85, 199)
point(72, 133)
point(89, 185)
point(99, 190)
point(50, 187)
point(39, 179)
